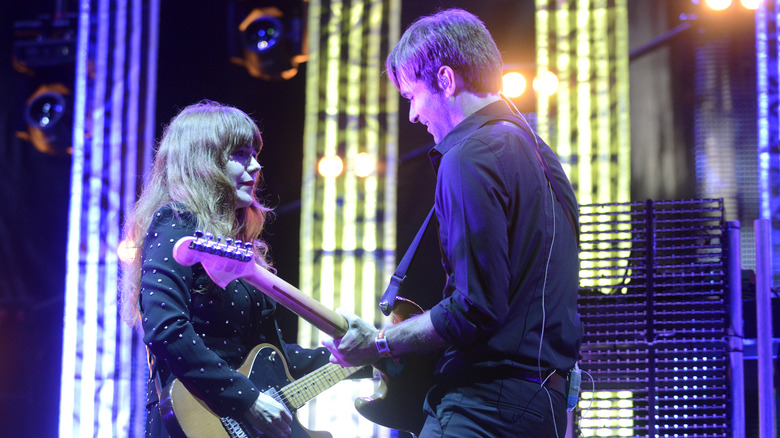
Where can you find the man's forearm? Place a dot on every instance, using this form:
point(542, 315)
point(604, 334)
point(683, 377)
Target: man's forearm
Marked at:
point(415, 335)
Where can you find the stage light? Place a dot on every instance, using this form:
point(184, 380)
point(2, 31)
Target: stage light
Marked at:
point(364, 165)
point(718, 5)
point(330, 166)
point(546, 84)
point(513, 84)
point(751, 4)
point(262, 34)
point(126, 251)
point(269, 40)
point(48, 116)
point(46, 110)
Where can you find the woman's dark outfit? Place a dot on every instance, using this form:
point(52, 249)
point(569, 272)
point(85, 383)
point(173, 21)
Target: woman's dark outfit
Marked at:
point(200, 333)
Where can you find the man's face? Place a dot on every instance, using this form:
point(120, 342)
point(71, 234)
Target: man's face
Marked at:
point(431, 108)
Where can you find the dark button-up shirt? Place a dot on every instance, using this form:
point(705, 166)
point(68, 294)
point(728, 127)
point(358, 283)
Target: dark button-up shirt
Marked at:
point(200, 332)
point(508, 249)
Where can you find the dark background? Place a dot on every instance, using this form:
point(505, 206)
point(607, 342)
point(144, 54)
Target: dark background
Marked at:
point(194, 65)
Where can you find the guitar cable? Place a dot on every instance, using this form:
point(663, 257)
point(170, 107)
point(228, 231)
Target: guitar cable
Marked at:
point(517, 112)
point(544, 310)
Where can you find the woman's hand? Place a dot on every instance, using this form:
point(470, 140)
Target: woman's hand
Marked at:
point(270, 417)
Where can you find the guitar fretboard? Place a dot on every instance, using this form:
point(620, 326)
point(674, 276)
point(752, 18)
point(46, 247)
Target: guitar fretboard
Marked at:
point(311, 385)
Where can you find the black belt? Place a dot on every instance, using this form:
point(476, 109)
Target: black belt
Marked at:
point(554, 381)
point(551, 380)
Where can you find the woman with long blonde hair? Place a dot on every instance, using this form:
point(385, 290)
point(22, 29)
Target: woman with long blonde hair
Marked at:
point(204, 177)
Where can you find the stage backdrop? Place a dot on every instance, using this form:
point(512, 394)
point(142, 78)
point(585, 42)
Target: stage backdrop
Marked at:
point(349, 178)
point(103, 361)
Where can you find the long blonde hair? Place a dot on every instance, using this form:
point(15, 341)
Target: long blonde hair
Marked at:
point(189, 170)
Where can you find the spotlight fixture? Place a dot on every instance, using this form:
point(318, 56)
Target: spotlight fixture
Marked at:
point(263, 33)
point(45, 110)
point(268, 39)
point(49, 118)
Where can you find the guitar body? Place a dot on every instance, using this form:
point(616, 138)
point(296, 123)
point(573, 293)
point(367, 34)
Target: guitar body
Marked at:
point(398, 401)
point(185, 415)
point(397, 404)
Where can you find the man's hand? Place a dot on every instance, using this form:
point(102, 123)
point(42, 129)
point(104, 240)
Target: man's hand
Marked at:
point(270, 417)
point(357, 347)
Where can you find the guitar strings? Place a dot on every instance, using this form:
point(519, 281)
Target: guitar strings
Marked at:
point(302, 390)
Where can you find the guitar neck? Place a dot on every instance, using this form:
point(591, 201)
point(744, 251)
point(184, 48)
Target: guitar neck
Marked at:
point(299, 392)
point(225, 262)
point(303, 305)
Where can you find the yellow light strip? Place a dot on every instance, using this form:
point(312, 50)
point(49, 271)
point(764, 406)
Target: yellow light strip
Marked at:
point(371, 203)
point(350, 192)
point(622, 135)
point(310, 158)
point(583, 105)
point(601, 90)
point(390, 182)
point(543, 65)
point(563, 102)
point(328, 208)
point(347, 248)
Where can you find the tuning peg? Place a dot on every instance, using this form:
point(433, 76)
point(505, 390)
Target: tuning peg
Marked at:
point(248, 251)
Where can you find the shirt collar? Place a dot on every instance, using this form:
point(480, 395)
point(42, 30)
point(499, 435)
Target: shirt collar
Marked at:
point(464, 129)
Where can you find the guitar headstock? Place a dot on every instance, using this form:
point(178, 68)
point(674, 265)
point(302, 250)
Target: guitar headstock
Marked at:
point(223, 259)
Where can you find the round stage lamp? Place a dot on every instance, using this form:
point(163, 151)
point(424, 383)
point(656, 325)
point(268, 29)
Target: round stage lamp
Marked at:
point(46, 110)
point(263, 34)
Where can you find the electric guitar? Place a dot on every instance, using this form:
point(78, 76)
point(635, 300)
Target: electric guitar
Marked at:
point(185, 415)
point(399, 400)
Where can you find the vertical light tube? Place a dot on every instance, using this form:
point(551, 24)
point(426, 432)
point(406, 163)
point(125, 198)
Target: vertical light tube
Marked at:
point(620, 105)
point(766, 126)
point(99, 393)
point(71, 329)
point(736, 330)
point(584, 125)
point(543, 65)
point(329, 208)
point(766, 393)
point(310, 155)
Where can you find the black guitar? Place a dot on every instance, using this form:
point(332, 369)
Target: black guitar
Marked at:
point(185, 415)
point(398, 401)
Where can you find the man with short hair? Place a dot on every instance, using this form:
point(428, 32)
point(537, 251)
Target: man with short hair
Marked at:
point(507, 327)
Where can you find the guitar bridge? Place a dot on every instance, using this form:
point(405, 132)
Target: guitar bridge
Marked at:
point(234, 428)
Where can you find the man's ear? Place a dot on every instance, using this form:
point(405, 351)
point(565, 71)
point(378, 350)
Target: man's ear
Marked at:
point(446, 80)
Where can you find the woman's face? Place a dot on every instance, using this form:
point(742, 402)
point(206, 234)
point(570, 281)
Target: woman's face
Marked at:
point(242, 168)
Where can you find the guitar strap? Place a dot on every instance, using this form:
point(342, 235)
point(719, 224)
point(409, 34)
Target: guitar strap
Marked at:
point(547, 171)
point(388, 298)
